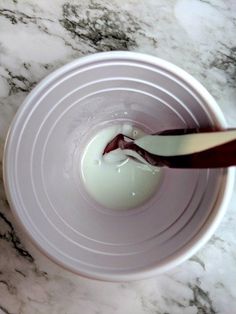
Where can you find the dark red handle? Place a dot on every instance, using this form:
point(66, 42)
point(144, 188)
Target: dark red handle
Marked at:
point(216, 157)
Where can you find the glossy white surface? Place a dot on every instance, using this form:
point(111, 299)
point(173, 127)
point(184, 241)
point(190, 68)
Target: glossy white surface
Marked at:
point(196, 35)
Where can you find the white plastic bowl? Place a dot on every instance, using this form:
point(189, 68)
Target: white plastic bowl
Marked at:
point(42, 174)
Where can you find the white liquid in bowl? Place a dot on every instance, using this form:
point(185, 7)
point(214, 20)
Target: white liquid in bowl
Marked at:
point(114, 180)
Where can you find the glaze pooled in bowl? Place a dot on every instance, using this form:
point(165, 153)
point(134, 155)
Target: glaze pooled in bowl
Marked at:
point(115, 180)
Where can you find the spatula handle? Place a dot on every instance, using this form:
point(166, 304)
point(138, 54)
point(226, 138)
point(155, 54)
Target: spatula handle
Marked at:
point(216, 157)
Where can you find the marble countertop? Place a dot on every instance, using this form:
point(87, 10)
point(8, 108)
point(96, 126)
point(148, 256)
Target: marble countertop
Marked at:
point(37, 37)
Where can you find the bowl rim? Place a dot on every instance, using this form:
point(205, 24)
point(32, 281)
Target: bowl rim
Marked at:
point(218, 209)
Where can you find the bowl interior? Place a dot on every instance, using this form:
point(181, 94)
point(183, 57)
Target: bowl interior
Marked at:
point(43, 176)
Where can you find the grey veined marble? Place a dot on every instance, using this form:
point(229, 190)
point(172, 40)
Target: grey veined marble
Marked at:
point(39, 36)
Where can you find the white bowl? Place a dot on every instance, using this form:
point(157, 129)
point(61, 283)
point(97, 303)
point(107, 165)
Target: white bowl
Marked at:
point(42, 174)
